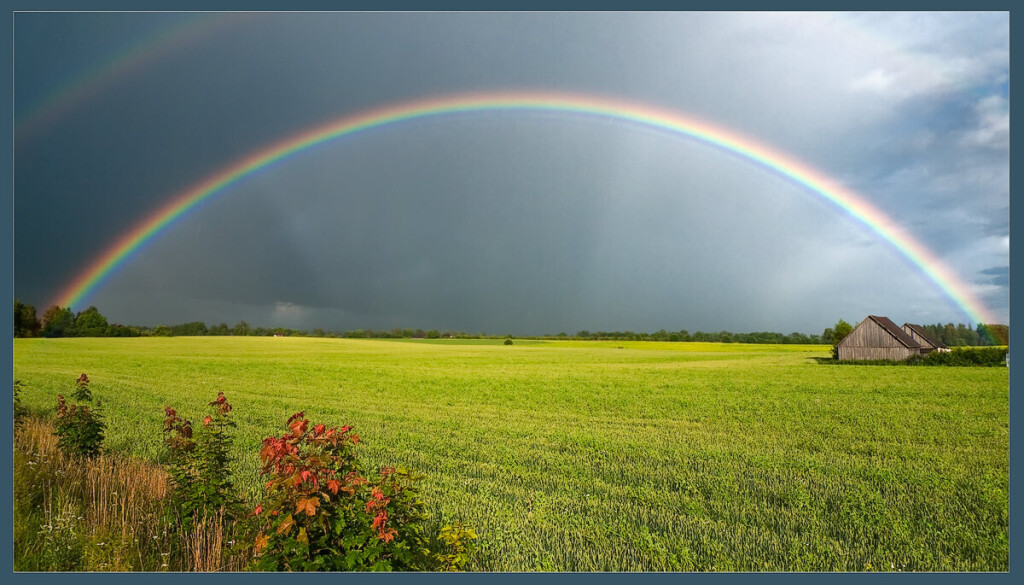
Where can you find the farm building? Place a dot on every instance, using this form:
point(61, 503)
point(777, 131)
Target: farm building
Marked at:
point(878, 338)
point(927, 342)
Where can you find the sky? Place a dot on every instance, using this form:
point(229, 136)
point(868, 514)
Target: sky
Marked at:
point(512, 222)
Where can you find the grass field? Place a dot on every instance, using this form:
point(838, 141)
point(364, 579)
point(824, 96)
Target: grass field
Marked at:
point(589, 456)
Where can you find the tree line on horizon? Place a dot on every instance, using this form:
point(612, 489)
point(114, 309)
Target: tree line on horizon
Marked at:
point(62, 322)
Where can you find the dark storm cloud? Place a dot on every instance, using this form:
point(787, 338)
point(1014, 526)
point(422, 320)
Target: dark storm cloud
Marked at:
point(522, 223)
point(1000, 275)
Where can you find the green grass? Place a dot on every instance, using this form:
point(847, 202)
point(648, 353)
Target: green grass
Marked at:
point(572, 455)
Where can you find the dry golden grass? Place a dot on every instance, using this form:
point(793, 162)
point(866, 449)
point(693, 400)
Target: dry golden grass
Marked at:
point(106, 514)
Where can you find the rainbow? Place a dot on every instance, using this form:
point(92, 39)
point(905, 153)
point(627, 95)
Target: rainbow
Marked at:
point(644, 115)
point(173, 38)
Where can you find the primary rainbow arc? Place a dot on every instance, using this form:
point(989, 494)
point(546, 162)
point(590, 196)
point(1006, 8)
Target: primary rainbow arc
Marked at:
point(741, 146)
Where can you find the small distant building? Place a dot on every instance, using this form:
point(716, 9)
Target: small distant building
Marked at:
point(878, 338)
point(927, 342)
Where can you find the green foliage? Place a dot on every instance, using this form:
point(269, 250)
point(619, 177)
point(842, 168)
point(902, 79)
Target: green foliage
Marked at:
point(82, 391)
point(90, 323)
point(840, 330)
point(457, 547)
point(58, 322)
point(20, 412)
point(322, 512)
point(965, 356)
point(26, 324)
point(836, 334)
point(958, 356)
point(508, 342)
point(200, 465)
point(190, 329)
point(79, 429)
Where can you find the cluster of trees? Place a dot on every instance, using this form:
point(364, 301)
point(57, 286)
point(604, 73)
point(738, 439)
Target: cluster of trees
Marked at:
point(684, 335)
point(963, 335)
point(61, 322)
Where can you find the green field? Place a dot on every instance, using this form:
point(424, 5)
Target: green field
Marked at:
point(582, 456)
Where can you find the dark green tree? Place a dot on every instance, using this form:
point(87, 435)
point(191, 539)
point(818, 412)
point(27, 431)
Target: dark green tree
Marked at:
point(839, 332)
point(58, 322)
point(90, 323)
point(26, 324)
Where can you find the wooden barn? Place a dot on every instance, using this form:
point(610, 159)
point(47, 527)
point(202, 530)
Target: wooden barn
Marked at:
point(878, 338)
point(927, 342)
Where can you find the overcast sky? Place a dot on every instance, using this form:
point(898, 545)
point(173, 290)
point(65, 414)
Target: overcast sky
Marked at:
point(513, 223)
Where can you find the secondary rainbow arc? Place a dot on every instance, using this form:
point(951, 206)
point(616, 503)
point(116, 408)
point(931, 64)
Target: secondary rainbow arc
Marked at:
point(815, 182)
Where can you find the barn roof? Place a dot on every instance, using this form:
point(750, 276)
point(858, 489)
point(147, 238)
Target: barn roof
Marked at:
point(895, 331)
point(924, 335)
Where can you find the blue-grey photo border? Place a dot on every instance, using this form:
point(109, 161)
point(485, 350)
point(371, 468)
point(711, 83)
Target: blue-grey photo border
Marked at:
point(7, 254)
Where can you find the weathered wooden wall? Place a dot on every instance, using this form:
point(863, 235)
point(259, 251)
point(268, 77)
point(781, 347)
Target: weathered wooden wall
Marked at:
point(926, 346)
point(875, 353)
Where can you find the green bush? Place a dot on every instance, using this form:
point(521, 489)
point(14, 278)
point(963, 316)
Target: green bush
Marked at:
point(958, 356)
point(79, 429)
point(199, 470)
point(457, 547)
point(967, 356)
point(20, 412)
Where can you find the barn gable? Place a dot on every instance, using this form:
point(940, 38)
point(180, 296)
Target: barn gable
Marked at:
point(878, 338)
point(927, 342)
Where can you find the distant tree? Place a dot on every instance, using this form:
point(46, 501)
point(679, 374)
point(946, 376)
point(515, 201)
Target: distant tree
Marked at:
point(1000, 334)
point(949, 336)
point(799, 338)
point(433, 334)
point(162, 331)
point(190, 329)
point(839, 332)
point(241, 328)
point(118, 330)
point(26, 324)
point(58, 322)
point(219, 329)
point(90, 323)
point(967, 335)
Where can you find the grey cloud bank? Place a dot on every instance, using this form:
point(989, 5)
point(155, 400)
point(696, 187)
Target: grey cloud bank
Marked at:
point(532, 223)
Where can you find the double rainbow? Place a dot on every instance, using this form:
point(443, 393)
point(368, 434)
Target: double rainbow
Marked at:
point(701, 131)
